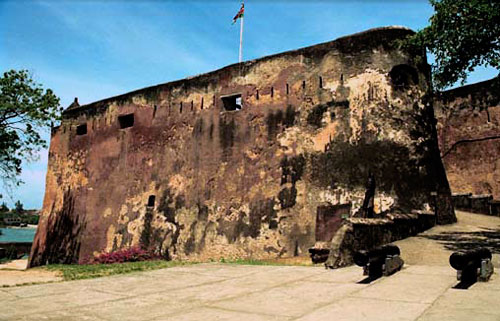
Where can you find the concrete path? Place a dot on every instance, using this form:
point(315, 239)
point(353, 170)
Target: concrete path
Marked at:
point(243, 292)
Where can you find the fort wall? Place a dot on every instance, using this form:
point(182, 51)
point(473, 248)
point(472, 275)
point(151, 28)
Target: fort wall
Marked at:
point(469, 137)
point(181, 169)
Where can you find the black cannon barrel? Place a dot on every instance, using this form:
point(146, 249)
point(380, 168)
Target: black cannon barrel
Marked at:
point(469, 259)
point(362, 258)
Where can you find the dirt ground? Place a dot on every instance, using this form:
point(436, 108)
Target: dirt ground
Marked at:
point(15, 273)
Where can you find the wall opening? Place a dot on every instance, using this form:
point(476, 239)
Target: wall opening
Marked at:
point(126, 121)
point(329, 220)
point(403, 76)
point(232, 102)
point(303, 84)
point(154, 111)
point(81, 129)
point(201, 105)
point(192, 105)
point(320, 82)
point(257, 95)
point(151, 200)
point(287, 89)
point(272, 91)
point(180, 107)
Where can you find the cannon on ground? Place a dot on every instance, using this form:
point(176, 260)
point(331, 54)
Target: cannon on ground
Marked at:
point(319, 255)
point(472, 265)
point(383, 260)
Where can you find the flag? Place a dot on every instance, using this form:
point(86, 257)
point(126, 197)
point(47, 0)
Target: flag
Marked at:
point(239, 14)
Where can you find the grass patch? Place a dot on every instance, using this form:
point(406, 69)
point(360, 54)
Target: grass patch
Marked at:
point(79, 272)
point(5, 260)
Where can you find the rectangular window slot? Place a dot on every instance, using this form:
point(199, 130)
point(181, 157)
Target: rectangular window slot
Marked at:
point(192, 105)
point(154, 111)
point(304, 84)
point(81, 129)
point(232, 102)
point(257, 95)
point(287, 89)
point(201, 103)
point(272, 91)
point(320, 82)
point(180, 109)
point(151, 200)
point(126, 121)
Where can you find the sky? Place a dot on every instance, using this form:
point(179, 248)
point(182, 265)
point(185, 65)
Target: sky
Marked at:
point(94, 49)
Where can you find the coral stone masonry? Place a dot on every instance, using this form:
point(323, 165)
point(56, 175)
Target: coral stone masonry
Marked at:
point(260, 159)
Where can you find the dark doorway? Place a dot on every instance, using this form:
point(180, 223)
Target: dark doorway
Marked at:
point(329, 219)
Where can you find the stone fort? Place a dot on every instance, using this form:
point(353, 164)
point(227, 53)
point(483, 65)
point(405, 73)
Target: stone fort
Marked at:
point(261, 159)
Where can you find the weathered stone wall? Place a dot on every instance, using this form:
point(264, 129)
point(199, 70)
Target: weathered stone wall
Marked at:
point(481, 204)
point(358, 234)
point(314, 123)
point(469, 137)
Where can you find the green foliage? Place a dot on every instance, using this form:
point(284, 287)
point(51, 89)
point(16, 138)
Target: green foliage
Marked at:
point(25, 109)
point(463, 34)
point(19, 208)
point(78, 272)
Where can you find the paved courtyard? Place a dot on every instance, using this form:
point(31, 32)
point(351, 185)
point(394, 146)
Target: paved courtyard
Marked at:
point(244, 292)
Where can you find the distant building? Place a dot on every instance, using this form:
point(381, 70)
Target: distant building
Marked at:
point(12, 220)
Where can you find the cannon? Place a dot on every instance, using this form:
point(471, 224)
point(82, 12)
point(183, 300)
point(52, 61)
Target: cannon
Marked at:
point(319, 255)
point(383, 260)
point(473, 264)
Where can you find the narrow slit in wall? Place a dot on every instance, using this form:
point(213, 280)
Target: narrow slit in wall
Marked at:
point(304, 84)
point(154, 111)
point(272, 91)
point(201, 107)
point(180, 109)
point(320, 82)
point(151, 200)
point(257, 95)
point(287, 89)
point(192, 105)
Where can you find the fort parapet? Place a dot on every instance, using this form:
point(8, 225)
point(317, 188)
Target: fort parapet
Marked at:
point(236, 162)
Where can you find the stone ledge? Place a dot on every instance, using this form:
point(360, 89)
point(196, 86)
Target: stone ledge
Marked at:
point(363, 234)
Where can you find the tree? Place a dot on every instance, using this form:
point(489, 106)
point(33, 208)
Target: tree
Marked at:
point(25, 109)
point(463, 34)
point(18, 207)
point(4, 208)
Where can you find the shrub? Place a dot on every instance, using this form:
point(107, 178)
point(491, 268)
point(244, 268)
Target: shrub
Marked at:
point(133, 254)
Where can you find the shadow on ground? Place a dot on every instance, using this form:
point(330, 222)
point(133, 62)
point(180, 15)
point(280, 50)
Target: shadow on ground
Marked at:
point(462, 241)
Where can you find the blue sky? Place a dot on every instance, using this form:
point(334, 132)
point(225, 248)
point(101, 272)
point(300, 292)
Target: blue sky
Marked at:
point(95, 49)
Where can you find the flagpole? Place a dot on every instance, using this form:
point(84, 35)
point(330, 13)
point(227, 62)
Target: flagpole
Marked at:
point(241, 39)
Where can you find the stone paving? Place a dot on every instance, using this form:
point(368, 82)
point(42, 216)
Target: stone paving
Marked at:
point(245, 292)
point(248, 292)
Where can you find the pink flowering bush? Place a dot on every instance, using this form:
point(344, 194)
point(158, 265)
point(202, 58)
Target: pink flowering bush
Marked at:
point(133, 254)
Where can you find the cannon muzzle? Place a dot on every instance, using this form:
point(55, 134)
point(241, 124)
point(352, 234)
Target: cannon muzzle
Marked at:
point(379, 254)
point(469, 259)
